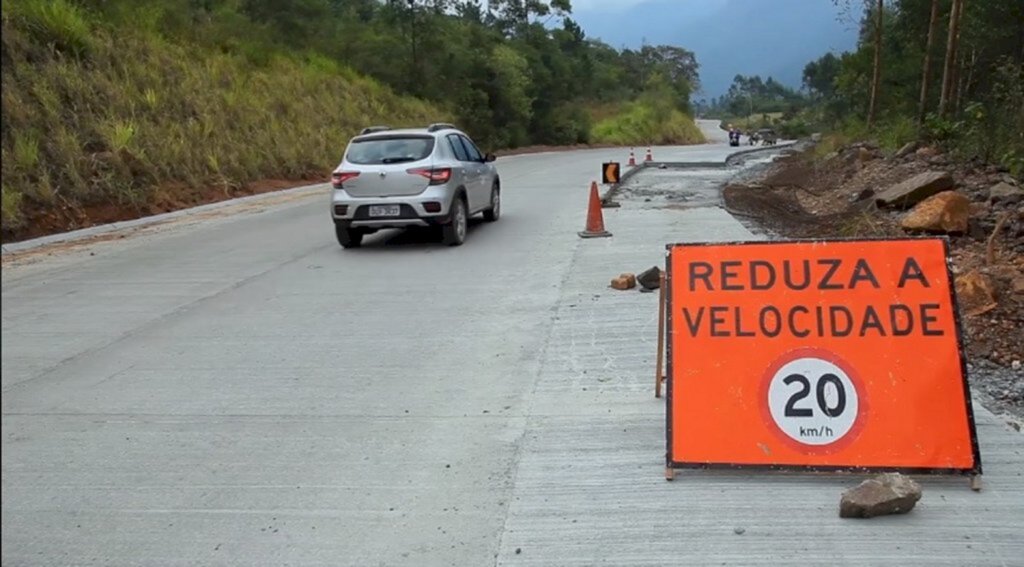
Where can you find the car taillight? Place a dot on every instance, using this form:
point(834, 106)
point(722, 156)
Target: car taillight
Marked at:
point(340, 177)
point(437, 176)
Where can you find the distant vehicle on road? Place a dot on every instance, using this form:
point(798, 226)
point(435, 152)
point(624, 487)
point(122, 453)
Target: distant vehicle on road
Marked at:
point(433, 176)
point(767, 136)
point(734, 137)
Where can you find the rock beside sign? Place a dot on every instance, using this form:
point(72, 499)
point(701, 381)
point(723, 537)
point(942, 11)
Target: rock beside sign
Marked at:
point(914, 190)
point(624, 281)
point(650, 279)
point(946, 212)
point(885, 494)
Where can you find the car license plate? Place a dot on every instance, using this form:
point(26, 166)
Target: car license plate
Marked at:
point(385, 211)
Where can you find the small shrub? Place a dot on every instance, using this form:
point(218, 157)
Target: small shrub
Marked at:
point(58, 23)
point(11, 211)
point(26, 151)
point(119, 134)
point(893, 134)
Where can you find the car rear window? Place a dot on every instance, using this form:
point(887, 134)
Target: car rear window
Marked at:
point(391, 149)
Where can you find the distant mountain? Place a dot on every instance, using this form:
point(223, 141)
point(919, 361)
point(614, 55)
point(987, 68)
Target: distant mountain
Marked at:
point(730, 37)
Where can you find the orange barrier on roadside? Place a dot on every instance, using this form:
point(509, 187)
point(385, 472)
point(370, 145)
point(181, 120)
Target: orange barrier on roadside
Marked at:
point(649, 156)
point(632, 158)
point(825, 355)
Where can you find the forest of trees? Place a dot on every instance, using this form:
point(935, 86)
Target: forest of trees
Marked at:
point(947, 71)
point(754, 96)
point(514, 72)
point(148, 104)
point(951, 71)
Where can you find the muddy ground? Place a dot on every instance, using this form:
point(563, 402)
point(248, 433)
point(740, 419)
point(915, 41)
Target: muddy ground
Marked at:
point(806, 195)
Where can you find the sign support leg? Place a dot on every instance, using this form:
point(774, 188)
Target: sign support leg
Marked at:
point(658, 376)
point(670, 474)
point(975, 482)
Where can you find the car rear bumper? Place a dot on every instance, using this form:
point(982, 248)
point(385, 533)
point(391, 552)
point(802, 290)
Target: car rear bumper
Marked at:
point(355, 211)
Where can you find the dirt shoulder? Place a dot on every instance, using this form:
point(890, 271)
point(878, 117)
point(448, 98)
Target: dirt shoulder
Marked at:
point(838, 196)
point(66, 217)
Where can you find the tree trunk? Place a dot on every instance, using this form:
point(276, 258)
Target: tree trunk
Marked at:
point(926, 69)
point(958, 67)
point(876, 74)
point(965, 80)
point(949, 69)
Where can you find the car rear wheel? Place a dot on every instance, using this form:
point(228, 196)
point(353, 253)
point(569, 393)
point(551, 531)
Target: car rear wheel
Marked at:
point(454, 232)
point(348, 237)
point(492, 214)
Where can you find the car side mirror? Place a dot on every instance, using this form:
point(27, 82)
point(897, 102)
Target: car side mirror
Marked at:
point(490, 158)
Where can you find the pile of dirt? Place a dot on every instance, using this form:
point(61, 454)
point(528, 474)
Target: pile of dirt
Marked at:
point(836, 196)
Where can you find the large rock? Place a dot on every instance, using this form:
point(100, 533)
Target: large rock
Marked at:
point(650, 279)
point(864, 155)
point(885, 494)
point(916, 189)
point(906, 150)
point(624, 281)
point(1005, 193)
point(947, 212)
point(1017, 285)
point(975, 293)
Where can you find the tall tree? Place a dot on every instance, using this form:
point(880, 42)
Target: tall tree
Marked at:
point(876, 73)
point(926, 69)
point(949, 69)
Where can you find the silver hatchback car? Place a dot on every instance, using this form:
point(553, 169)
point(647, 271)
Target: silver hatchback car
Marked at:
point(432, 176)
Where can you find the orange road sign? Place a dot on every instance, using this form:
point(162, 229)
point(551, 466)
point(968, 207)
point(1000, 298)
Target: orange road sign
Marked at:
point(824, 355)
point(610, 172)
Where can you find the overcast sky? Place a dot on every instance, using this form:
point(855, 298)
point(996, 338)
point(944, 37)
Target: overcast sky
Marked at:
point(729, 37)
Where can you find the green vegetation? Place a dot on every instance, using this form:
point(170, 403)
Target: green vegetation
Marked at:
point(652, 119)
point(105, 116)
point(131, 102)
point(972, 103)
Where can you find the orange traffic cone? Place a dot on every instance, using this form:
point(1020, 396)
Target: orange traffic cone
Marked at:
point(632, 158)
point(595, 218)
point(649, 157)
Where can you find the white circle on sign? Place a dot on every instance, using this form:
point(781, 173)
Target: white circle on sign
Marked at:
point(813, 401)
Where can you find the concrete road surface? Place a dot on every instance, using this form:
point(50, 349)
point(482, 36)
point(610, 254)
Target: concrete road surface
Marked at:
point(236, 389)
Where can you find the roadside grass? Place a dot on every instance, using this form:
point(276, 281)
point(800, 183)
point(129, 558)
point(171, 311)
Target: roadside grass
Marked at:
point(89, 118)
point(753, 122)
point(638, 123)
point(57, 23)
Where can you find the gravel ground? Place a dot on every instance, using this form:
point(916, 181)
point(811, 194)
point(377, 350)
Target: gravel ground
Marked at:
point(779, 212)
point(1000, 389)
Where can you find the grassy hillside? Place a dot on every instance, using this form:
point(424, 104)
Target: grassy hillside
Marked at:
point(94, 115)
point(638, 124)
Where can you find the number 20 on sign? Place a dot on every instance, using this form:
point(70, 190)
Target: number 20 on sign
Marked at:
point(825, 355)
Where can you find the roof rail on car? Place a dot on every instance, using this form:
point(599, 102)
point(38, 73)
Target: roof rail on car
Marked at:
point(441, 126)
point(372, 129)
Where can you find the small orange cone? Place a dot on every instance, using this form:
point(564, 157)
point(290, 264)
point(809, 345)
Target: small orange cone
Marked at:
point(632, 158)
point(595, 218)
point(649, 157)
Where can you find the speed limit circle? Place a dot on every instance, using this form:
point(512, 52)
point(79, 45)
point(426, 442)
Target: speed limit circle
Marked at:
point(814, 399)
